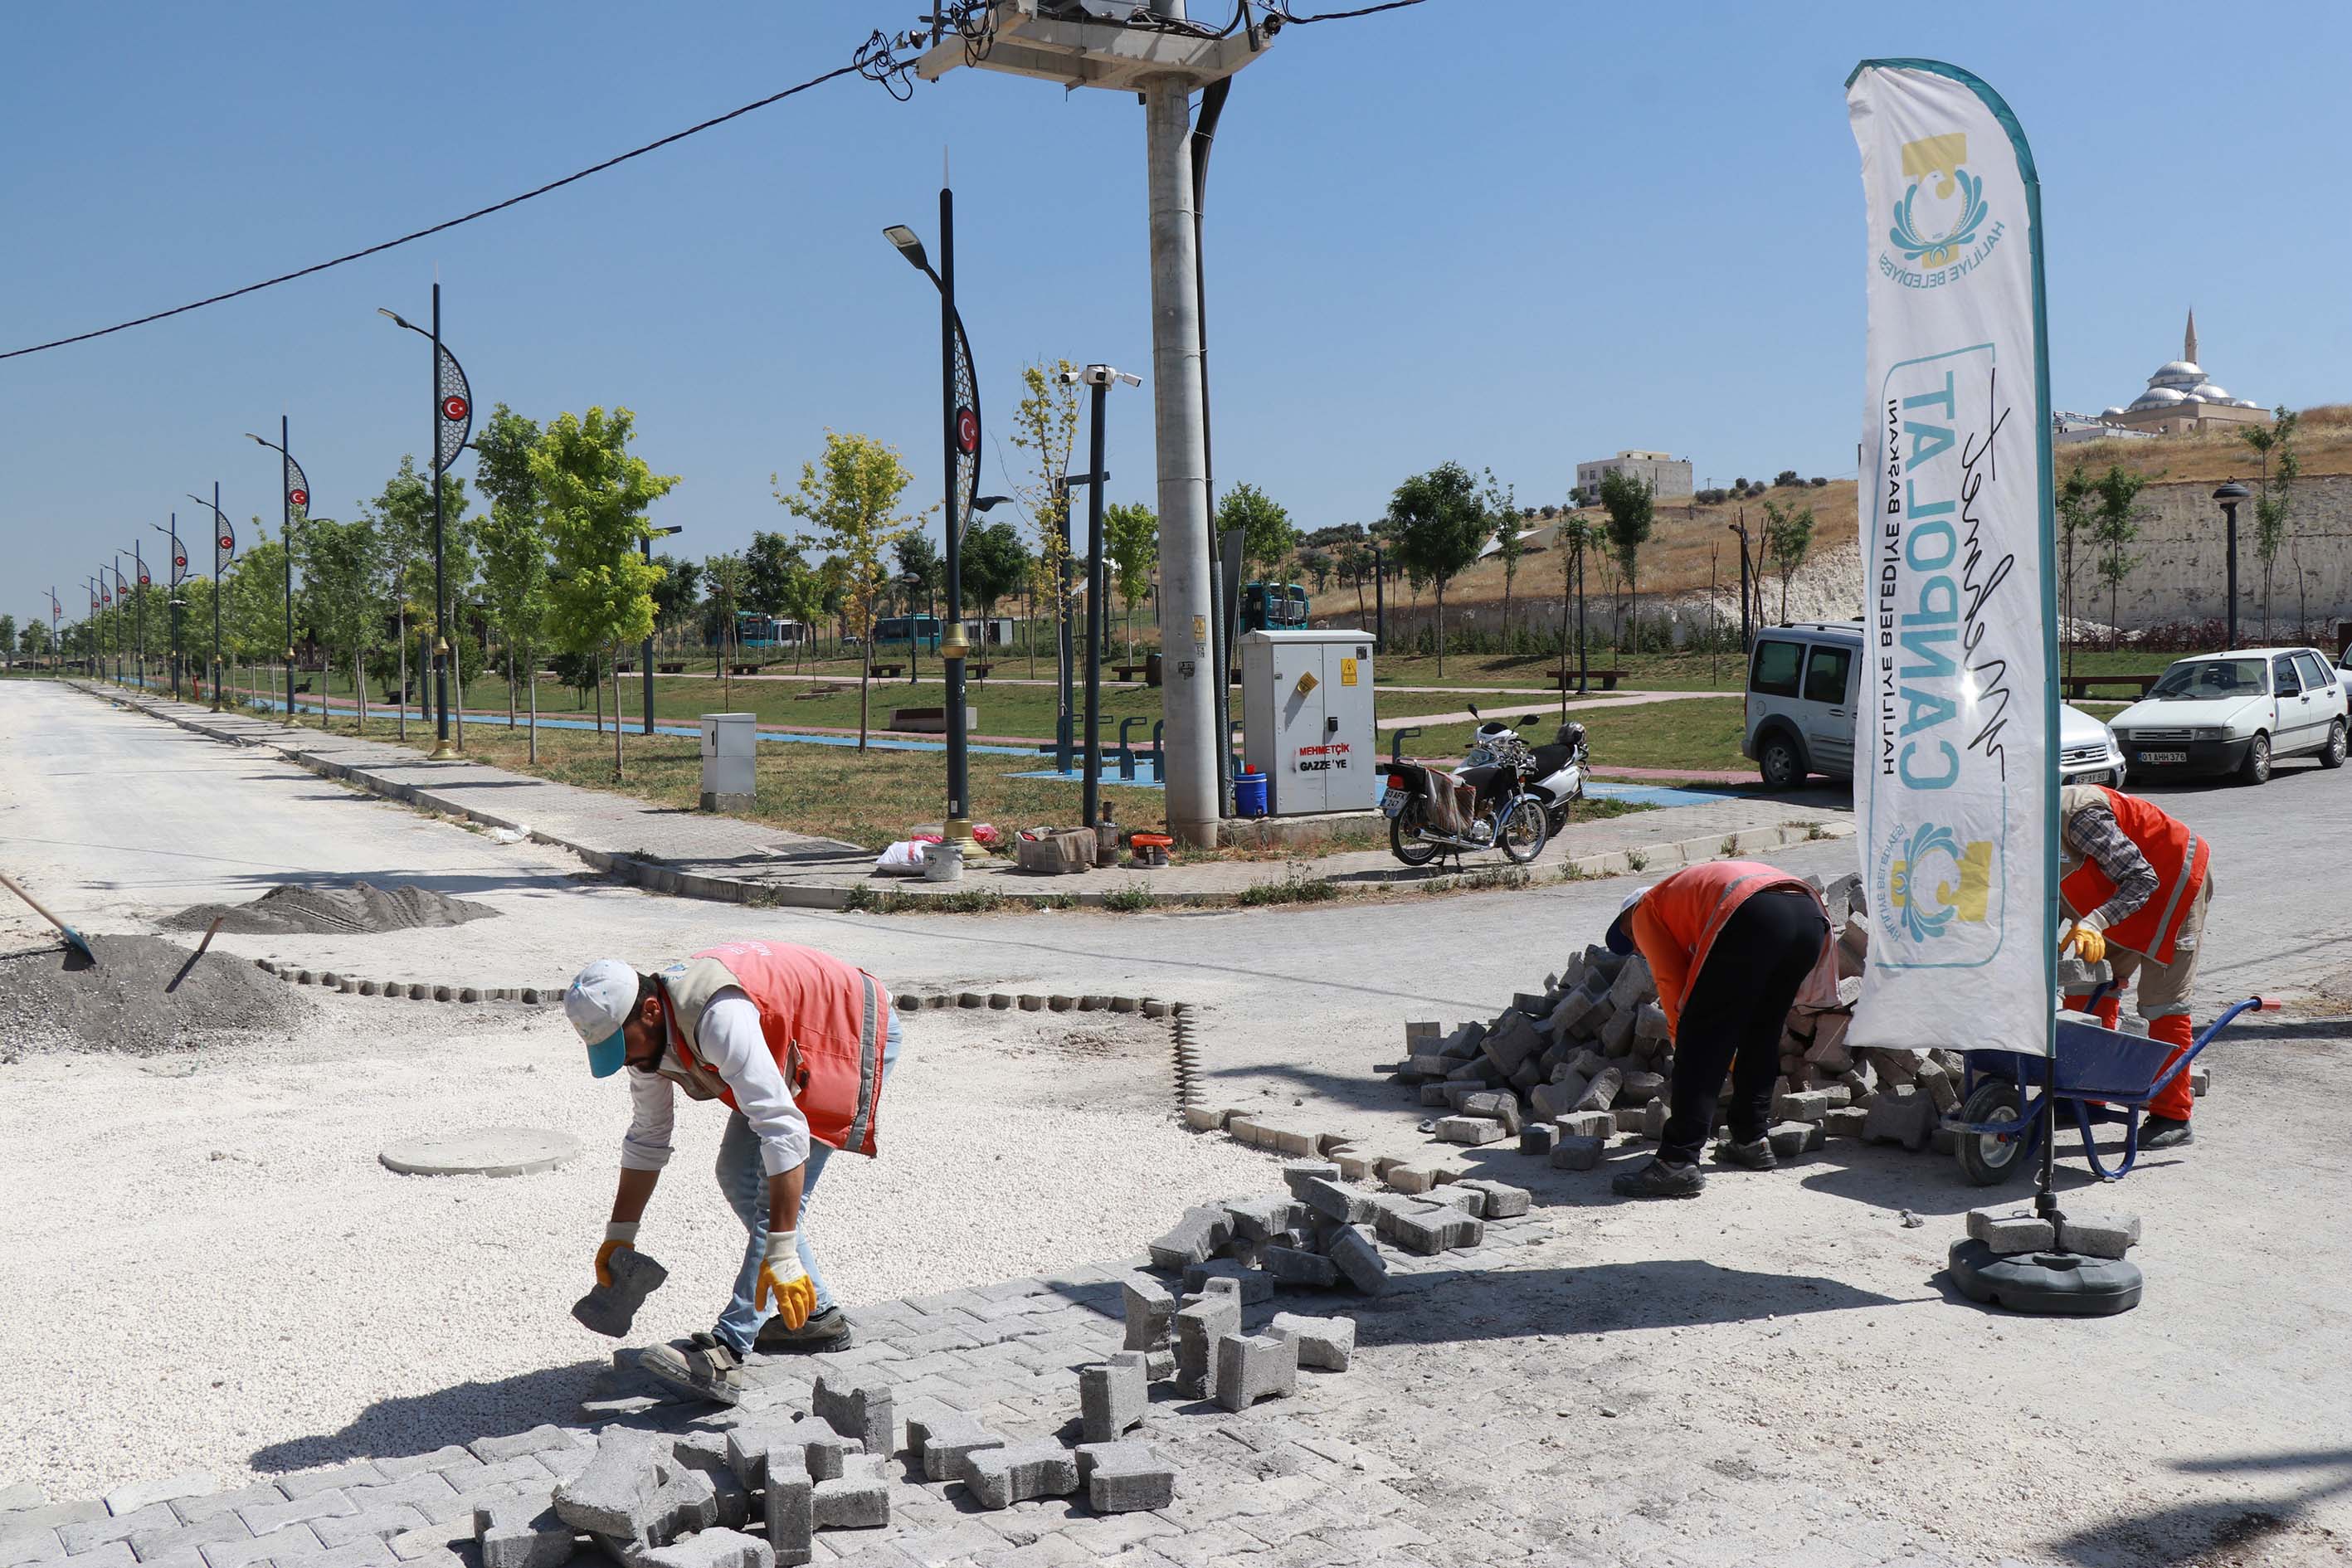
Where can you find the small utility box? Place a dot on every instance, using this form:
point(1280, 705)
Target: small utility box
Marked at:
point(731, 761)
point(1306, 720)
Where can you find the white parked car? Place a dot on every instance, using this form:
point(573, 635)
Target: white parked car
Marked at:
point(1802, 685)
point(2235, 714)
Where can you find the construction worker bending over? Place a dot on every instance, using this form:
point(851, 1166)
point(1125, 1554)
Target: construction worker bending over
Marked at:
point(2136, 883)
point(797, 1045)
point(1731, 944)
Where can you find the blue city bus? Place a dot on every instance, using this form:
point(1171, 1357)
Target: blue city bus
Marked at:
point(890, 629)
point(754, 629)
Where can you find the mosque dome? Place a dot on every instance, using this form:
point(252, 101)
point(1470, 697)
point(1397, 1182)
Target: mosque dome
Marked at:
point(2206, 392)
point(2158, 397)
point(2179, 370)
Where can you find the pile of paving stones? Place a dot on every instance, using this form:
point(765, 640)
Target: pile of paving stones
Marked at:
point(1591, 1057)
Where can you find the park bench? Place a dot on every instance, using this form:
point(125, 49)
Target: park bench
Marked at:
point(980, 670)
point(1128, 671)
point(2078, 687)
point(671, 668)
point(890, 671)
point(1565, 680)
point(742, 670)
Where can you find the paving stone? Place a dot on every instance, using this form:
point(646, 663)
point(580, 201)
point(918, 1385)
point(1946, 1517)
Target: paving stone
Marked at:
point(1332, 1201)
point(520, 1532)
point(186, 1539)
point(1790, 1138)
point(1358, 1258)
point(1198, 1326)
point(610, 1310)
point(113, 1554)
point(375, 1523)
point(2098, 1235)
point(2010, 1229)
point(718, 1547)
point(1577, 1153)
point(1539, 1137)
point(1293, 1266)
point(288, 1541)
point(1801, 1105)
point(941, 1441)
point(142, 1495)
point(89, 1534)
point(999, 1477)
point(1586, 1124)
point(613, 1495)
point(20, 1497)
point(262, 1518)
point(1124, 1478)
point(791, 1519)
point(1650, 1023)
point(1148, 1306)
point(1503, 1200)
point(1299, 1174)
point(31, 1542)
point(1440, 1229)
point(1473, 1130)
point(1902, 1115)
point(1251, 1367)
point(1499, 1105)
point(1199, 1236)
point(1253, 1285)
point(859, 1499)
point(1845, 1121)
point(1113, 1396)
point(859, 1410)
point(1633, 984)
point(1329, 1343)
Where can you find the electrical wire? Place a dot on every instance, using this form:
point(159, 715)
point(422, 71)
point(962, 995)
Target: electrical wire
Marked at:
point(1282, 10)
point(874, 62)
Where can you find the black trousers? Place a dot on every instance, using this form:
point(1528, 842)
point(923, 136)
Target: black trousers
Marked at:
point(1733, 1016)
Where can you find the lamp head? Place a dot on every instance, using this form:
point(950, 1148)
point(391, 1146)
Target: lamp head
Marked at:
point(909, 246)
point(255, 439)
point(985, 504)
point(2232, 491)
point(397, 319)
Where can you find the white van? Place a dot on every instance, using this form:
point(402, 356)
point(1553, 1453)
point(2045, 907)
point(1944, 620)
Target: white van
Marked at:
point(1803, 682)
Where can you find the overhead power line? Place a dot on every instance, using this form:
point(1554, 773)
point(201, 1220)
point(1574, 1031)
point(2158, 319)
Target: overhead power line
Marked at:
point(874, 62)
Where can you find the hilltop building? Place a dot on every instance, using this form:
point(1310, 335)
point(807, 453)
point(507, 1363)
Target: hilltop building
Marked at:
point(1669, 478)
point(2179, 400)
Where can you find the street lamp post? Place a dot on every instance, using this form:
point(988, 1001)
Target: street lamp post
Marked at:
point(959, 448)
point(646, 545)
point(222, 539)
point(293, 495)
point(139, 610)
point(1101, 377)
point(2230, 495)
point(453, 423)
point(910, 581)
point(179, 563)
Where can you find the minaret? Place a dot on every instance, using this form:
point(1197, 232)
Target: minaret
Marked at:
point(2188, 343)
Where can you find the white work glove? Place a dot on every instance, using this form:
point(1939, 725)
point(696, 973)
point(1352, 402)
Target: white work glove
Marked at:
point(618, 1234)
point(783, 1282)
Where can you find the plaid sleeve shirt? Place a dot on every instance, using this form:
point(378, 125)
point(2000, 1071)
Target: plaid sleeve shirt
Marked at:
point(2094, 834)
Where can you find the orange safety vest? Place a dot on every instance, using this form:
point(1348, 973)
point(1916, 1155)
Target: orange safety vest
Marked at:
point(1676, 922)
point(825, 1021)
point(2180, 860)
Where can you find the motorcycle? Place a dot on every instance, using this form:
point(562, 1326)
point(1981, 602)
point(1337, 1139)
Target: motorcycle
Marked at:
point(1509, 801)
point(1555, 771)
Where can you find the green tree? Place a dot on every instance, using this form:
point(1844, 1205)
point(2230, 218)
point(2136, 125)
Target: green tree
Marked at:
point(1575, 538)
point(514, 546)
point(1044, 426)
point(725, 574)
point(1439, 523)
point(1503, 506)
point(1630, 506)
point(1131, 539)
point(253, 603)
point(8, 638)
point(995, 564)
point(851, 497)
point(2077, 508)
point(674, 596)
point(34, 641)
point(1267, 537)
point(342, 590)
point(1788, 540)
point(596, 493)
point(2281, 465)
point(402, 517)
point(2119, 518)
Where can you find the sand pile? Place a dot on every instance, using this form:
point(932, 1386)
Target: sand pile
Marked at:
point(355, 908)
point(143, 997)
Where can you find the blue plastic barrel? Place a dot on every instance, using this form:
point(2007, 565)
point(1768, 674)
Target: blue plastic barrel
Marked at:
point(1249, 792)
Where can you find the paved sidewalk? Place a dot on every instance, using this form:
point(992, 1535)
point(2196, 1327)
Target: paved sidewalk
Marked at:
point(723, 857)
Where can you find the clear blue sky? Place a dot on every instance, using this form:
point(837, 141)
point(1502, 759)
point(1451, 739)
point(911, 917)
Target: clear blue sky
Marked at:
point(1513, 235)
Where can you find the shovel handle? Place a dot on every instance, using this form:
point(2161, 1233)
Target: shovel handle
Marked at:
point(10, 883)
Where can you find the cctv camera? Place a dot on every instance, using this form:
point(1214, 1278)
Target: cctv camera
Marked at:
point(1069, 377)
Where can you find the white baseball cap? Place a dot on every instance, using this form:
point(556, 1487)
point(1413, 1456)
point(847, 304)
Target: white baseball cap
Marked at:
point(1620, 939)
point(599, 1001)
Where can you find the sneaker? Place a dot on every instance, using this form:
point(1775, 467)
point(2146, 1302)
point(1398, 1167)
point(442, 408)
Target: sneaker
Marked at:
point(701, 1368)
point(2164, 1133)
point(825, 1331)
point(1755, 1156)
point(1659, 1180)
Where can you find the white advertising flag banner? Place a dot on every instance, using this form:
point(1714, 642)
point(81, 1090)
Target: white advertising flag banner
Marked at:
point(1956, 771)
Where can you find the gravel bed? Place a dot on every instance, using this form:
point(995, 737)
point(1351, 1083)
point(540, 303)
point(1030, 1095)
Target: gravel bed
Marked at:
point(144, 997)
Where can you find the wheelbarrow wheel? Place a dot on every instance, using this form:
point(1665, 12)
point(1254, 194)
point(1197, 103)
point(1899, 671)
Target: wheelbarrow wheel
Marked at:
point(1988, 1160)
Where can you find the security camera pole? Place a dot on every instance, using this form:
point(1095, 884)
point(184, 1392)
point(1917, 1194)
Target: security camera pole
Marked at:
point(1165, 66)
point(1100, 377)
point(645, 544)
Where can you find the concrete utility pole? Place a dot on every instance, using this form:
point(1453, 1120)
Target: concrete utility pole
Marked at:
point(1165, 66)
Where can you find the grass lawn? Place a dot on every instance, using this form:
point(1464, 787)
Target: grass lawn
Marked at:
point(1703, 733)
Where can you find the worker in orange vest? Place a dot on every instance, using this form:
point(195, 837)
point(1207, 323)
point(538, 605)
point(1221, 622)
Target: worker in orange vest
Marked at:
point(2137, 882)
point(797, 1045)
point(1732, 945)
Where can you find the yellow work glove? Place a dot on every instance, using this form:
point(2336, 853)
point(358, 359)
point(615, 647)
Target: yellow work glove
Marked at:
point(784, 1283)
point(618, 1235)
point(2088, 942)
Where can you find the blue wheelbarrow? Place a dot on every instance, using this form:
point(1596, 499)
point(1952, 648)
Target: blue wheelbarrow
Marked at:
point(2104, 1075)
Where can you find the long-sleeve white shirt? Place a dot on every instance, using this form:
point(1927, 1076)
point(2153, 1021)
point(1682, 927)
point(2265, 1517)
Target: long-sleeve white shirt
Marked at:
point(729, 1040)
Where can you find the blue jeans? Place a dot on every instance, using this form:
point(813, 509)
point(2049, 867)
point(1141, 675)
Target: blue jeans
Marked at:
point(744, 1178)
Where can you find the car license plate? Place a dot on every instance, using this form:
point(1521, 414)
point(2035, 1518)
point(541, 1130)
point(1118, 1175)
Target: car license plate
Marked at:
point(2161, 757)
point(1392, 802)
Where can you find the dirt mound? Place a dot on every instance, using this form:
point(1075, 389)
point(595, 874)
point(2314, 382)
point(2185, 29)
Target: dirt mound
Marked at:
point(354, 908)
point(143, 997)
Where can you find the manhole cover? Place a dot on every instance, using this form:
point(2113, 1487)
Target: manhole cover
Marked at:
point(481, 1152)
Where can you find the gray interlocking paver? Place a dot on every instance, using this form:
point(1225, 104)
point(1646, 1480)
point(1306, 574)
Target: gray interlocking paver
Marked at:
point(264, 1518)
point(286, 1540)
